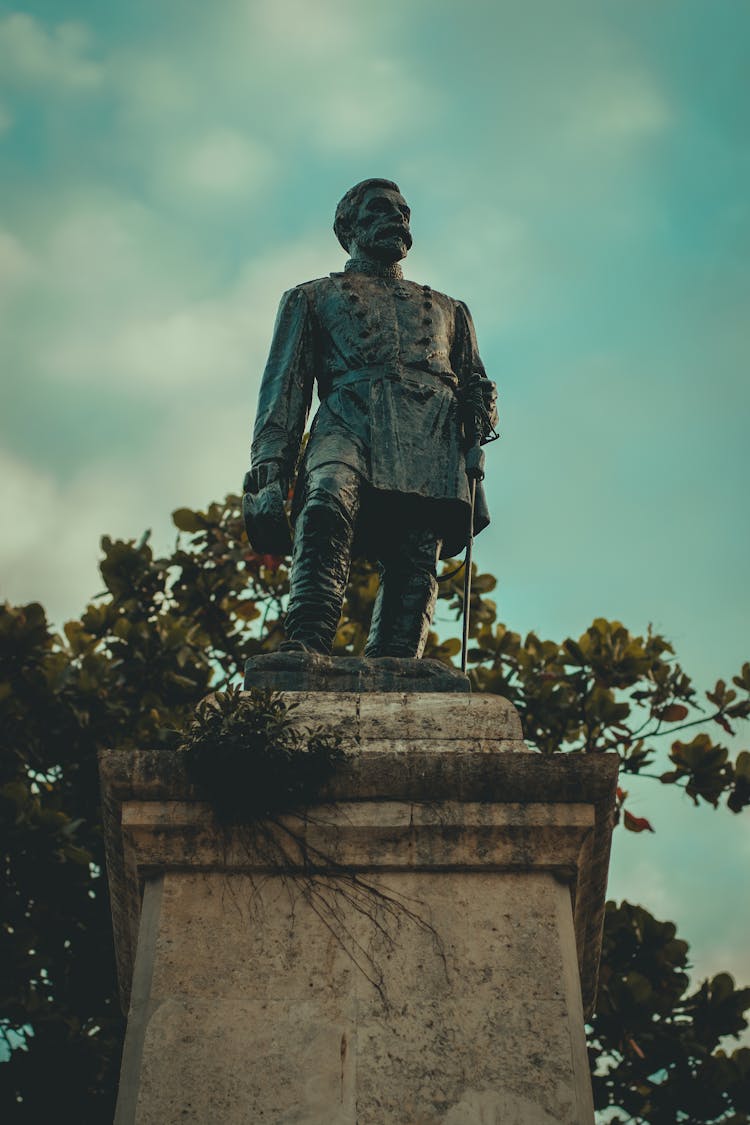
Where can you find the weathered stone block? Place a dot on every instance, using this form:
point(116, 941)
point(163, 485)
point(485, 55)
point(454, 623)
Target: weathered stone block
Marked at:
point(411, 952)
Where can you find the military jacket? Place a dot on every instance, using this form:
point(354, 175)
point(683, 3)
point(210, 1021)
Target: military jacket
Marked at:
point(387, 355)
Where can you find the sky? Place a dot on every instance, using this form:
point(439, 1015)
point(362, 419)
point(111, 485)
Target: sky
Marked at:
point(577, 173)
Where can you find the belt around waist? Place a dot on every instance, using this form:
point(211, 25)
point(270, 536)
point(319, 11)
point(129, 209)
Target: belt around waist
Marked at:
point(410, 375)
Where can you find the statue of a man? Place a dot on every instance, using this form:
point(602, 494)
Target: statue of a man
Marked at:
point(384, 470)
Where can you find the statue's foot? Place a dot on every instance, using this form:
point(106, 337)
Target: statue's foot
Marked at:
point(296, 646)
point(296, 667)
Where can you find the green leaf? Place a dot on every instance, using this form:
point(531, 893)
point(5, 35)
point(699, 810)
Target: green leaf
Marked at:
point(185, 519)
point(742, 765)
point(675, 713)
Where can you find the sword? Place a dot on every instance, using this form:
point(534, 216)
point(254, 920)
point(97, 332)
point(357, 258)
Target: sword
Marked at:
point(475, 472)
point(478, 430)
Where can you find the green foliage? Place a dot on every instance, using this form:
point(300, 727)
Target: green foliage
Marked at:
point(610, 690)
point(164, 633)
point(653, 1043)
point(251, 763)
point(57, 981)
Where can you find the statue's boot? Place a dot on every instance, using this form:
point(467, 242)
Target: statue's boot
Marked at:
point(406, 598)
point(323, 537)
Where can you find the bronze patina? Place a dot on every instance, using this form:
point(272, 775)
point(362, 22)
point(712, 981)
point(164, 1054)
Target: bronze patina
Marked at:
point(404, 397)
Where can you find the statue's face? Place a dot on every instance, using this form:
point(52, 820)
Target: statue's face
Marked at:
point(382, 225)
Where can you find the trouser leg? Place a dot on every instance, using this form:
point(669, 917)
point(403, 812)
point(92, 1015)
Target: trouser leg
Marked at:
point(406, 598)
point(321, 556)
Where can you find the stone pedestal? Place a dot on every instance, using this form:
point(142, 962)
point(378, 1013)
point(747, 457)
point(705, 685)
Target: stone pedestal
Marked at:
point(418, 949)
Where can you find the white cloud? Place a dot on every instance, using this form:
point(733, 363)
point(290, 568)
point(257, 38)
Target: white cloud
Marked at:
point(50, 544)
point(31, 54)
point(363, 103)
point(328, 28)
point(220, 164)
point(17, 266)
point(211, 341)
point(27, 495)
point(285, 72)
point(616, 108)
point(153, 85)
point(105, 303)
point(49, 547)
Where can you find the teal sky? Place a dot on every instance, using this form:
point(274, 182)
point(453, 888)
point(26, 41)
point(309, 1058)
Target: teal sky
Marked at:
point(577, 172)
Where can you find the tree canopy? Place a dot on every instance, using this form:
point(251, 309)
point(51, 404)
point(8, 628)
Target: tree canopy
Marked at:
point(164, 632)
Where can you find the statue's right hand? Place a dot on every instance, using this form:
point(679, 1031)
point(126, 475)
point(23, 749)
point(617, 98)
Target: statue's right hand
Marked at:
point(260, 475)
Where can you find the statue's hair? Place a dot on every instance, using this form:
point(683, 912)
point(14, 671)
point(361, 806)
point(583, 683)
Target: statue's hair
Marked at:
point(349, 204)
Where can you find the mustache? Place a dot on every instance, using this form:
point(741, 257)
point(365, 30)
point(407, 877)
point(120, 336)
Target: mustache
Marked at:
point(394, 230)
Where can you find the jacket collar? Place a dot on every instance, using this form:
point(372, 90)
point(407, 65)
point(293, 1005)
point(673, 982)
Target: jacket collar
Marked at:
point(390, 270)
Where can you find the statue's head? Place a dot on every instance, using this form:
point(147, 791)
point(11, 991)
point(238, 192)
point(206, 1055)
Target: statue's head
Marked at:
point(372, 219)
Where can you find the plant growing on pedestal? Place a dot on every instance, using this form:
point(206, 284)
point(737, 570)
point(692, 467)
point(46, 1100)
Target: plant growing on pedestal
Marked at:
point(244, 752)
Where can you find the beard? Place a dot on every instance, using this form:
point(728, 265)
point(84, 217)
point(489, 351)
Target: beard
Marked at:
point(386, 245)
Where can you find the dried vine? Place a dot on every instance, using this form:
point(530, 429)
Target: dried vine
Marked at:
point(260, 771)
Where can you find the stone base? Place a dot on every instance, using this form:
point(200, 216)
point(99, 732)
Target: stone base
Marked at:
point(413, 952)
point(298, 671)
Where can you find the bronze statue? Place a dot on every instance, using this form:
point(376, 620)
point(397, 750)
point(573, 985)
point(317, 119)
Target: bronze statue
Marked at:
point(403, 395)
